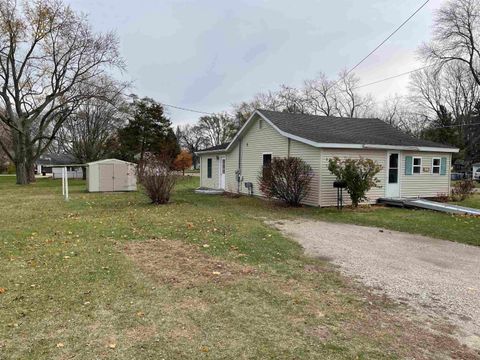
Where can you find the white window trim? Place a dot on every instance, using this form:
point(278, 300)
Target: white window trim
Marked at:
point(439, 165)
point(413, 165)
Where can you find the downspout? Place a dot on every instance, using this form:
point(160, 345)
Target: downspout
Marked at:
point(239, 165)
point(288, 147)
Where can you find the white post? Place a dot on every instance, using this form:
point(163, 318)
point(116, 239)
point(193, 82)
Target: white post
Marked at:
point(66, 184)
point(63, 181)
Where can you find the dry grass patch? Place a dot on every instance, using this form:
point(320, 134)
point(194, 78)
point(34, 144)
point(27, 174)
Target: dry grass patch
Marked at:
point(178, 264)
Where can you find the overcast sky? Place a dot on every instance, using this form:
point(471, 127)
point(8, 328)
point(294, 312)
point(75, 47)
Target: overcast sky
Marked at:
point(209, 54)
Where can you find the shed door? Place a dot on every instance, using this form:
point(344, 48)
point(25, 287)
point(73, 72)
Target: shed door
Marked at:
point(106, 177)
point(120, 180)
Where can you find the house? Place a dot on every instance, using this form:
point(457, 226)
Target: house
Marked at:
point(54, 163)
point(410, 167)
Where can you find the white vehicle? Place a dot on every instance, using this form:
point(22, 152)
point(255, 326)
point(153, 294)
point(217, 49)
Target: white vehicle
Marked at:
point(476, 175)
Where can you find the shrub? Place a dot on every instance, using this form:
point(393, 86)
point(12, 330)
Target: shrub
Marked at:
point(157, 178)
point(442, 197)
point(287, 179)
point(183, 161)
point(358, 175)
point(463, 189)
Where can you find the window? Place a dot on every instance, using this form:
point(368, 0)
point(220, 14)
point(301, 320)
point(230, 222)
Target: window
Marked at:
point(209, 168)
point(267, 159)
point(436, 163)
point(223, 165)
point(417, 165)
point(260, 123)
point(393, 169)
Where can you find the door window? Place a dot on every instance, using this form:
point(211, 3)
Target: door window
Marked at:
point(393, 169)
point(223, 166)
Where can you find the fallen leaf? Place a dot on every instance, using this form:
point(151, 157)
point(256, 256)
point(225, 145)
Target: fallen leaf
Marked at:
point(216, 272)
point(112, 346)
point(2, 290)
point(60, 345)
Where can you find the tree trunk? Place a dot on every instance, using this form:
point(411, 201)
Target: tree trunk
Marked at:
point(84, 172)
point(21, 171)
point(23, 159)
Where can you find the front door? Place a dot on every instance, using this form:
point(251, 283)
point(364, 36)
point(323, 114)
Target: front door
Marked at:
point(221, 172)
point(393, 180)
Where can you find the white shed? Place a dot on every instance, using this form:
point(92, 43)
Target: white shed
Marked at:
point(111, 175)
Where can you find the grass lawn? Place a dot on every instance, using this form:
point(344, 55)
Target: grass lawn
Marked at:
point(111, 276)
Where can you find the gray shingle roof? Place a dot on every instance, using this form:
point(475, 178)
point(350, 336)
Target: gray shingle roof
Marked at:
point(216, 148)
point(335, 130)
point(55, 159)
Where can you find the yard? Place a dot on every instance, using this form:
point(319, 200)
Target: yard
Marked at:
point(110, 276)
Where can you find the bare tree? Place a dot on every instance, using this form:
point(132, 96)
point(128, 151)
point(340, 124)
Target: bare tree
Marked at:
point(398, 111)
point(49, 59)
point(319, 95)
point(6, 141)
point(291, 100)
point(193, 139)
point(217, 129)
point(87, 133)
point(456, 36)
point(348, 101)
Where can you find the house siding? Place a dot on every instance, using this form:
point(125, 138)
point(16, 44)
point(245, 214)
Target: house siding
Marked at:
point(265, 139)
point(328, 194)
point(231, 184)
point(311, 156)
point(213, 182)
point(424, 184)
point(255, 142)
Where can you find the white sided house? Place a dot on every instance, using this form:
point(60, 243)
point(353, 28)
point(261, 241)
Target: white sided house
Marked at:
point(411, 167)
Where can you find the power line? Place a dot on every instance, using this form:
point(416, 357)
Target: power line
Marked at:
point(187, 109)
point(391, 77)
point(388, 37)
point(349, 71)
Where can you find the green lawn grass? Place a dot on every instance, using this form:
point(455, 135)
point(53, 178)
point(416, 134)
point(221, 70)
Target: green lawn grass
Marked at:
point(68, 289)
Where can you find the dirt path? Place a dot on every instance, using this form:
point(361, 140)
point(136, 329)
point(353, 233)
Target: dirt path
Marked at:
point(439, 278)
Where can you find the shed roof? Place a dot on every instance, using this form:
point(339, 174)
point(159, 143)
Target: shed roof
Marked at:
point(106, 161)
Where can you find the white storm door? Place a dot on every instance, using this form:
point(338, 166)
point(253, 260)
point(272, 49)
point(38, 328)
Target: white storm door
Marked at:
point(221, 171)
point(393, 175)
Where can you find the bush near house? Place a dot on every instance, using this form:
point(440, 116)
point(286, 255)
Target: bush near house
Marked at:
point(463, 189)
point(157, 178)
point(358, 175)
point(287, 179)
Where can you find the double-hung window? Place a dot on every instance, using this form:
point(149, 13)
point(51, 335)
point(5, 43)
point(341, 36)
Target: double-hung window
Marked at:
point(436, 164)
point(417, 165)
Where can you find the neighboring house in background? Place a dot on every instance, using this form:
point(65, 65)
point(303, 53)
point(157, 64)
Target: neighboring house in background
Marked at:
point(410, 167)
point(476, 171)
point(52, 164)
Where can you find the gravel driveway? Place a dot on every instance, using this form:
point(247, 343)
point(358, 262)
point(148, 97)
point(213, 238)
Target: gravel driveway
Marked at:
point(436, 277)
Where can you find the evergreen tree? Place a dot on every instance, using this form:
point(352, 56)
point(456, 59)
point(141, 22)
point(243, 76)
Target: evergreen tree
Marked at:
point(148, 131)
